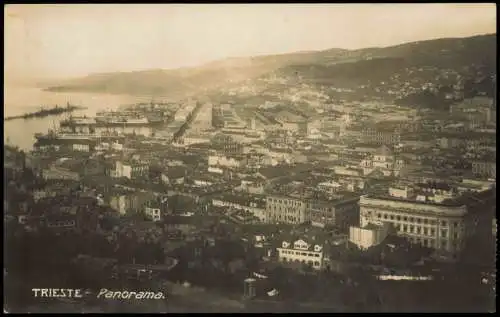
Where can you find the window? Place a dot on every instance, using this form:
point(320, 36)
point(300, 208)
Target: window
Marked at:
point(405, 218)
point(391, 217)
point(443, 223)
point(433, 232)
point(426, 221)
point(411, 229)
point(398, 218)
point(426, 231)
point(379, 216)
point(385, 216)
point(405, 228)
point(419, 230)
point(411, 219)
point(444, 233)
point(419, 220)
point(316, 263)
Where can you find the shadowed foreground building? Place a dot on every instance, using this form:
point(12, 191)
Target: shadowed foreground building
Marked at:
point(305, 251)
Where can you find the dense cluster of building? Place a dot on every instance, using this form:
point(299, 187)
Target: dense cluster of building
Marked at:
point(329, 171)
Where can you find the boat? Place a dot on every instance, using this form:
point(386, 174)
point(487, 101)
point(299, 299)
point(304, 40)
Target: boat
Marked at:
point(56, 110)
point(51, 135)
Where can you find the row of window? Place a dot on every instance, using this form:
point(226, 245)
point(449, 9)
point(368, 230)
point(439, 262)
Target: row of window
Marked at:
point(443, 244)
point(285, 201)
point(423, 231)
point(300, 253)
point(70, 223)
point(313, 263)
point(282, 208)
point(417, 220)
point(283, 218)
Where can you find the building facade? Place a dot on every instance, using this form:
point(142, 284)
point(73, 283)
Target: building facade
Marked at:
point(375, 136)
point(438, 226)
point(301, 251)
point(283, 209)
point(342, 212)
point(484, 169)
point(130, 170)
point(368, 236)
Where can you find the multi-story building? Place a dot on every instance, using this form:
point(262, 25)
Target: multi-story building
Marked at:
point(370, 235)
point(124, 201)
point(226, 144)
point(130, 169)
point(339, 210)
point(378, 136)
point(286, 209)
point(281, 137)
point(155, 209)
point(227, 161)
point(485, 168)
point(302, 251)
point(254, 204)
point(471, 140)
point(437, 225)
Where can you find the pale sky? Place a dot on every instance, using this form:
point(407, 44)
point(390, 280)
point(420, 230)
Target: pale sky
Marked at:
point(78, 39)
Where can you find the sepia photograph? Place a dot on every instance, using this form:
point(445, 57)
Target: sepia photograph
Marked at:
point(250, 158)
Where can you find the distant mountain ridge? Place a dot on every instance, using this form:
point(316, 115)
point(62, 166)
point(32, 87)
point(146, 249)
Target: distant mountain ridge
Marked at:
point(332, 64)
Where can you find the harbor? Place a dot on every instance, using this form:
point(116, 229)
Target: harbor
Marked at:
point(163, 121)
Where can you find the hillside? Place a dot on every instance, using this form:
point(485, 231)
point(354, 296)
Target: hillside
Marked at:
point(381, 63)
point(330, 67)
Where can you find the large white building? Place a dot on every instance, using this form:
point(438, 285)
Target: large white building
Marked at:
point(130, 170)
point(369, 235)
point(302, 251)
point(438, 225)
point(226, 161)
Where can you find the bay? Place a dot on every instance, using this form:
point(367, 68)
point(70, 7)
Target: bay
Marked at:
point(22, 99)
